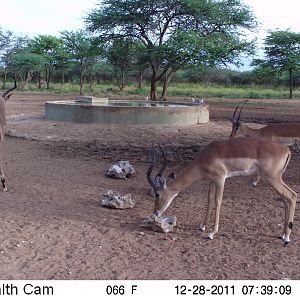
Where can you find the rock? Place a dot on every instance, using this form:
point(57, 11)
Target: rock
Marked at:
point(116, 172)
point(160, 224)
point(121, 170)
point(113, 199)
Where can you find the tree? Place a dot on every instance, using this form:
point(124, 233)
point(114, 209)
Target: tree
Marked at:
point(62, 61)
point(175, 32)
point(82, 50)
point(6, 38)
point(6, 41)
point(282, 53)
point(48, 46)
point(120, 56)
point(9, 47)
point(140, 62)
point(25, 64)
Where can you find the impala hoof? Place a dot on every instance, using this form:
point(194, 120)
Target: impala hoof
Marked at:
point(201, 227)
point(286, 241)
point(285, 238)
point(210, 236)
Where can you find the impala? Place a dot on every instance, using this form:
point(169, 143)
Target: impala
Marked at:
point(224, 159)
point(5, 97)
point(286, 133)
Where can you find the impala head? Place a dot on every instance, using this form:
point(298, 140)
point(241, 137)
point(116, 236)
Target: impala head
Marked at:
point(163, 195)
point(236, 122)
point(6, 95)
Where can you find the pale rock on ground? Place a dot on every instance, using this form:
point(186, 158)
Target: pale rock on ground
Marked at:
point(113, 199)
point(160, 224)
point(121, 170)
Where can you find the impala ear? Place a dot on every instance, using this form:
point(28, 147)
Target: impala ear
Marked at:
point(171, 176)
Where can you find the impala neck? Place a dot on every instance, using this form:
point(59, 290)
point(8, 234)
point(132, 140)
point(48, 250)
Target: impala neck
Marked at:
point(2, 109)
point(185, 178)
point(247, 131)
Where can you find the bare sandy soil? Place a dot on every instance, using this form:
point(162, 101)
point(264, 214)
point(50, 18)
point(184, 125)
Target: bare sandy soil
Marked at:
point(53, 226)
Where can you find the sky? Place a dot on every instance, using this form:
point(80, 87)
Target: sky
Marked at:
point(34, 17)
point(273, 15)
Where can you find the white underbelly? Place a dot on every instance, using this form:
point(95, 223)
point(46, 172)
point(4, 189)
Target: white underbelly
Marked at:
point(287, 141)
point(247, 172)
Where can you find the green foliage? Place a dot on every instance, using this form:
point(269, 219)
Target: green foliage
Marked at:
point(184, 90)
point(79, 44)
point(221, 91)
point(176, 32)
point(45, 45)
point(6, 38)
point(82, 50)
point(51, 48)
point(154, 41)
point(25, 64)
point(120, 54)
point(282, 51)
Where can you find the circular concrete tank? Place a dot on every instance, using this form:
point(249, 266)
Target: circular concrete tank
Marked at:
point(104, 111)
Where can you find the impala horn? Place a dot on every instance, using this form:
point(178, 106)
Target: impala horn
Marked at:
point(157, 182)
point(165, 163)
point(150, 169)
point(10, 90)
point(234, 119)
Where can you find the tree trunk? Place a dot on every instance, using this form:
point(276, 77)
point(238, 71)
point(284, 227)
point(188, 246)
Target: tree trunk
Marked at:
point(140, 79)
point(81, 78)
point(47, 75)
point(291, 82)
point(121, 82)
point(28, 78)
point(4, 79)
point(81, 84)
point(121, 78)
point(39, 80)
point(167, 79)
point(153, 91)
point(91, 83)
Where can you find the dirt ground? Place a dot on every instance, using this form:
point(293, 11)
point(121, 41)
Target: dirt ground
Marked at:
point(54, 227)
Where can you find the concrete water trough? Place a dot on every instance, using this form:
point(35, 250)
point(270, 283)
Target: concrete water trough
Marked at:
point(104, 111)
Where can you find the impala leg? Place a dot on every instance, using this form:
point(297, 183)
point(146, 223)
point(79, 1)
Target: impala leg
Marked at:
point(210, 201)
point(295, 147)
point(289, 212)
point(286, 216)
point(1, 168)
point(3, 182)
point(290, 198)
point(219, 188)
point(255, 182)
